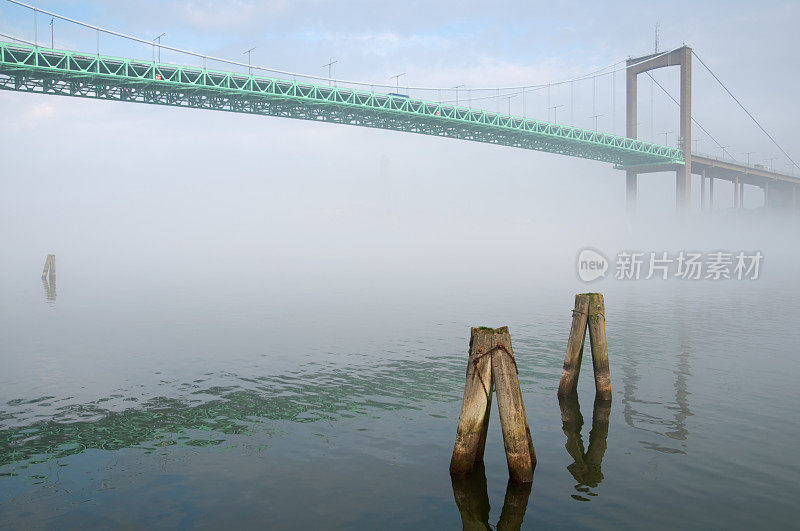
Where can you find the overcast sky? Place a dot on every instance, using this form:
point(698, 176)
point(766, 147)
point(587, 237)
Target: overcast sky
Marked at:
point(178, 187)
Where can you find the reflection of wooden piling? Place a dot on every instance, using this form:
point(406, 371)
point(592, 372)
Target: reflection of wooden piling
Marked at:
point(577, 335)
point(473, 422)
point(514, 506)
point(589, 311)
point(492, 364)
point(571, 424)
point(598, 437)
point(517, 439)
point(586, 466)
point(49, 289)
point(49, 267)
point(472, 499)
point(597, 337)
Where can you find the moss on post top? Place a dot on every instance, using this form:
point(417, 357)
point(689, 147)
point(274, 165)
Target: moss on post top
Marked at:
point(487, 330)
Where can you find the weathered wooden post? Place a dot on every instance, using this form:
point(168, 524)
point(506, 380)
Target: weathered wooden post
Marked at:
point(577, 336)
point(492, 364)
point(473, 422)
point(520, 455)
point(49, 267)
point(589, 311)
point(597, 337)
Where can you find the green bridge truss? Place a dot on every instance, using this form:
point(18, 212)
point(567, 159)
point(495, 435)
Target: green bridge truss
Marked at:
point(60, 72)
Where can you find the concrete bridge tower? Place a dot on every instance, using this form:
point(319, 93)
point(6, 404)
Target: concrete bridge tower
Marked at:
point(681, 57)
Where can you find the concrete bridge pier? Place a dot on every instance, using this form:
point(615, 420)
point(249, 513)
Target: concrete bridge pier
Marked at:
point(683, 188)
point(631, 190)
point(702, 190)
point(710, 194)
point(741, 194)
point(736, 188)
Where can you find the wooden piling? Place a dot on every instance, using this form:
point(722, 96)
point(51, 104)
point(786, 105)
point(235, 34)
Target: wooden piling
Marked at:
point(520, 456)
point(49, 267)
point(597, 338)
point(473, 422)
point(577, 335)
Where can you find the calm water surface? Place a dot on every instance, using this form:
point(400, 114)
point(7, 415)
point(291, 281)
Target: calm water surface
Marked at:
point(191, 405)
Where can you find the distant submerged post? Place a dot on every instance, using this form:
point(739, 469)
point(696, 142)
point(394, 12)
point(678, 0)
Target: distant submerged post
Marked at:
point(49, 267)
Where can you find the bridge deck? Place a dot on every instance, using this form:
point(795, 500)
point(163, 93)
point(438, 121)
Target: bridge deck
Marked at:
point(61, 72)
point(725, 170)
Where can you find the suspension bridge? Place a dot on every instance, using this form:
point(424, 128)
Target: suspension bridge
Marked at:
point(29, 67)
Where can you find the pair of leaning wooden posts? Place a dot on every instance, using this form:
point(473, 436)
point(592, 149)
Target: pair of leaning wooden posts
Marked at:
point(492, 366)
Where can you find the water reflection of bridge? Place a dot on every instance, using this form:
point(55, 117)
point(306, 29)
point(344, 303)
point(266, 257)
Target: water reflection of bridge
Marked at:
point(674, 425)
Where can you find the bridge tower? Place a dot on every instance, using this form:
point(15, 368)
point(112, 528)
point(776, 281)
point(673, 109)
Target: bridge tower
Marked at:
point(681, 57)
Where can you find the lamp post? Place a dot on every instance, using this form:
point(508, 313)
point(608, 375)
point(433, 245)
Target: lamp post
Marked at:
point(555, 112)
point(329, 66)
point(595, 117)
point(508, 100)
point(52, 40)
point(396, 78)
point(666, 136)
point(456, 89)
point(249, 68)
point(159, 47)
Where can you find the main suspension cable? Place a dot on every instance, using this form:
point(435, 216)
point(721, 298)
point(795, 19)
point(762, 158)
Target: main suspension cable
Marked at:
point(745, 109)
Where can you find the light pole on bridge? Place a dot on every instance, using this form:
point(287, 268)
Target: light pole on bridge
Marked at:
point(456, 89)
point(159, 47)
point(555, 112)
point(748, 153)
point(508, 99)
point(329, 66)
point(249, 68)
point(396, 78)
point(52, 39)
point(724, 150)
point(595, 117)
point(666, 136)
